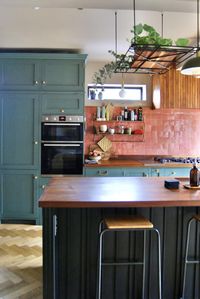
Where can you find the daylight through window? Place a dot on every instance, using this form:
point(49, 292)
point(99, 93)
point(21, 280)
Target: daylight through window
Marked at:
point(112, 92)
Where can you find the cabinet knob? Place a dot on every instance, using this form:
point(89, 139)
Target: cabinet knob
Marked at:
point(62, 110)
point(43, 186)
point(145, 174)
point(36, 82)
point(44, 82)
point(35, 142)
point(173, 172)
point(35, 177)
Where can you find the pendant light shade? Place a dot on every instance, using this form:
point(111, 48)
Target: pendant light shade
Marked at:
point(192, 66)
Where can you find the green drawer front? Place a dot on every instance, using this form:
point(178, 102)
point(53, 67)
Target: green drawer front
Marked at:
point(101, 171)
point(137, 172)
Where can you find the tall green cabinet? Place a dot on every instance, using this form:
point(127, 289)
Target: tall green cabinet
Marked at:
point(32, 84)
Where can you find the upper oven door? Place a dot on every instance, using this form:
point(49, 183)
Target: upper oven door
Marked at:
point(62, 131)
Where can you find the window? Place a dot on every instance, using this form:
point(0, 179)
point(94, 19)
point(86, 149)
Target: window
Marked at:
point(112, 92)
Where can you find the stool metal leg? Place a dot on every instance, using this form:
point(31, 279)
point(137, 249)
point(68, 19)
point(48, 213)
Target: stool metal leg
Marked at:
point(144, 265)
point(98, 294)
point(186, 257)
point(159, 264)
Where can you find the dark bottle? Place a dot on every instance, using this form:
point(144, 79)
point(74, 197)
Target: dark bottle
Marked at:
point(140, 114)
point(125, 113)
point(194, 176)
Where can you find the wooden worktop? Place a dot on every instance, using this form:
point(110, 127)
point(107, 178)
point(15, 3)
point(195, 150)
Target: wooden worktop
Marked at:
point(136, 163)
point(94, 192)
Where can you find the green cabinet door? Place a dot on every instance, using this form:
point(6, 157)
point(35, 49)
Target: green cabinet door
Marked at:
point(62, 75)
point(170, 171)
point(19, 195)
point(64, 102)
point(18, 74)
point(19, 130)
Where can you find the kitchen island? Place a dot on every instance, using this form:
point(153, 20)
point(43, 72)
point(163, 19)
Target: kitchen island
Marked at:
point(72, 209)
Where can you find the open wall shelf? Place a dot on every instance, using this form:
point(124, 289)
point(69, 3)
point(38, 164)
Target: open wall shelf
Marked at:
point(153, 59)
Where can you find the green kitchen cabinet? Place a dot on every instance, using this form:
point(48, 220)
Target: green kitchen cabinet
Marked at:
point(116, 171)
point(71, 103)
point(62, 75)
point(18, 195)
point(39, 71)
point(18, 74)
point(104, 171)
point(19, 127)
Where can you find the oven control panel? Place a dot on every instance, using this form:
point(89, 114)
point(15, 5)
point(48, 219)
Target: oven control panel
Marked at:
point(62, 118)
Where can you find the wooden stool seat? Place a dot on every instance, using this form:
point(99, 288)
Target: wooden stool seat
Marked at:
point(127, 222)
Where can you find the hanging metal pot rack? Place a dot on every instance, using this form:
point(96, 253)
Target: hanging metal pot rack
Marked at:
point(153, 59)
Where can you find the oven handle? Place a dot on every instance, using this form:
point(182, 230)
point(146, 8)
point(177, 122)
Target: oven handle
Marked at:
point(60, 144)
point(61, 124)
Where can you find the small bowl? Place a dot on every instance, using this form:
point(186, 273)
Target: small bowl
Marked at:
point(97, 158)
point(103, 128)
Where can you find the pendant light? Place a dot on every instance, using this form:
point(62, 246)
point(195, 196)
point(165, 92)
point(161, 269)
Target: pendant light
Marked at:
point(192, 66)
point(122, 92)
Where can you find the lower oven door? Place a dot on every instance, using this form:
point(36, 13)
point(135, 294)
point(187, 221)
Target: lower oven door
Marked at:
point(62, 158)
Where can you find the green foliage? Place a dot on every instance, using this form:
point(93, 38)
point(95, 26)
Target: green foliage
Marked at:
point(105, 72)
point(147, 35)
point(142, 35)
point(182, 42)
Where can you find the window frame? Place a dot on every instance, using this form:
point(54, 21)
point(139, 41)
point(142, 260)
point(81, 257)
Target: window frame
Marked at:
point(141, 87)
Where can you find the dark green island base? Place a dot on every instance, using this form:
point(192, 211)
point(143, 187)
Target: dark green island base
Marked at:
point(70, 236)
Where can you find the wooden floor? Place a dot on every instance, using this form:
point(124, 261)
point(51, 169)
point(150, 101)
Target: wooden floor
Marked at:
point(20, 261)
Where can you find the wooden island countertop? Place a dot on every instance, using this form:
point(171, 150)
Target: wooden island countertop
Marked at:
point(123, 192)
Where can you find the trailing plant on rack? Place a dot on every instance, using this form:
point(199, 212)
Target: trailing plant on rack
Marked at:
point(142, 35)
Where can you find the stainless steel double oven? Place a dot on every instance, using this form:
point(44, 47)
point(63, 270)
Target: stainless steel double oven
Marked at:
point(62, 145)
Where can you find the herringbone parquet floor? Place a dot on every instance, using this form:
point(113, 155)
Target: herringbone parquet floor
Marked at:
point(20, 261)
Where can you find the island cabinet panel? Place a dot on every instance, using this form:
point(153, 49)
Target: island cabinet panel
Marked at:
point(70, 254)
point(19, 126)
point(71, 103)
point(18, 195)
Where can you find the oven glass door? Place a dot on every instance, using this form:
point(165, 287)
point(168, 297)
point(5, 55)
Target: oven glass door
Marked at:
point(62, 158)
point(62, 131)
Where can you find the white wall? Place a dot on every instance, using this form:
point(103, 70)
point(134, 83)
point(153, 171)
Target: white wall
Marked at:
point(89, 30)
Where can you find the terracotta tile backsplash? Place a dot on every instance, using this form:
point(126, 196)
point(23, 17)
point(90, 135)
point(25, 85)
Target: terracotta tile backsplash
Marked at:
point(166, 132)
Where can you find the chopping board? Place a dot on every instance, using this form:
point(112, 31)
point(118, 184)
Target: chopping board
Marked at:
point(105, 144)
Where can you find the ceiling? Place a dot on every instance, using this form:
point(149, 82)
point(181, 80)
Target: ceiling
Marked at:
point(88, 26)
point(154, 5)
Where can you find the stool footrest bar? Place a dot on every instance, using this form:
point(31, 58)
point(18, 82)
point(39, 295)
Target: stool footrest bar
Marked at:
point(122, 264)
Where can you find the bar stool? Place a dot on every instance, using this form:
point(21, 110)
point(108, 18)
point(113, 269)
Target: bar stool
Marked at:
point(129, 223)
point(186, 261)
